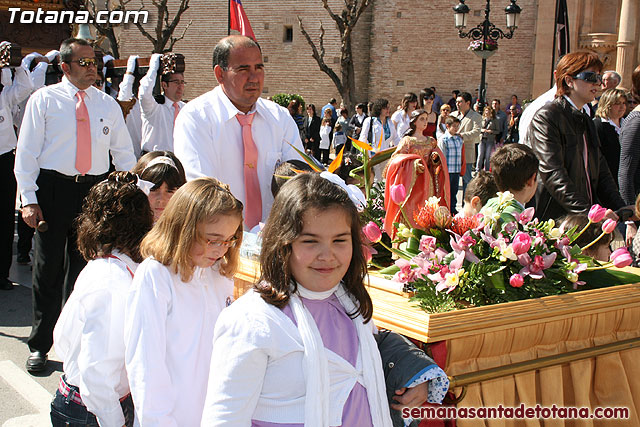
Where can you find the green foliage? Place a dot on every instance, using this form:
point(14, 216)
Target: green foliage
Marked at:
point(284, 99)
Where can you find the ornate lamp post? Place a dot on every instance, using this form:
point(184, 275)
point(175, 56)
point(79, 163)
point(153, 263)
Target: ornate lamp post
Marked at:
point(486, 34)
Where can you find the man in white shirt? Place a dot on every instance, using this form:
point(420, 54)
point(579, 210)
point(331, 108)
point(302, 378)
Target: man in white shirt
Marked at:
point(211, 141)
point(68, 131)
point(158, 118)
point(10, 96)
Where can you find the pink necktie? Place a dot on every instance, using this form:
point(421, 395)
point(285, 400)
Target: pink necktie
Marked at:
point(253, 198)
point(83, 135)
point(176, 110)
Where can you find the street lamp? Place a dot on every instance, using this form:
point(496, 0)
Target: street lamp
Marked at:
point(487, 33)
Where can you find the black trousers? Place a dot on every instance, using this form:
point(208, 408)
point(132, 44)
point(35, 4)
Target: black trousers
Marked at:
point(7, 211)
point(25, 237)
point(57, 262)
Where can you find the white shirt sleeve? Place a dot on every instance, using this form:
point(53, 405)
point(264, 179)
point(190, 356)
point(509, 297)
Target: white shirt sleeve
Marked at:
point(29, 147)
point(364, 133)
point(125, 92)
point(238, 366)
point(120, 146)
point(189, 133)
point(39, 75)
point(145, 91)
point(99, 369)
point(292, 136)
point(19, 90)
point(148, 304)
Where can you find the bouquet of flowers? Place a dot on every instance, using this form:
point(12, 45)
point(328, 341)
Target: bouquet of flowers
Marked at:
point(488, 44)
point(494, 257)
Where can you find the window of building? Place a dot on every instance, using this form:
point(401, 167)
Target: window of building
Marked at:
point(288, 34)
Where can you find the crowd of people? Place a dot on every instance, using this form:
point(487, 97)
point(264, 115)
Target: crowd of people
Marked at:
point(133, 268)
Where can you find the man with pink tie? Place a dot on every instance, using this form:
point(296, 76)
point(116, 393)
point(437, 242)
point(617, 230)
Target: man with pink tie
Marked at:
point(67, 133)
point(232, 134)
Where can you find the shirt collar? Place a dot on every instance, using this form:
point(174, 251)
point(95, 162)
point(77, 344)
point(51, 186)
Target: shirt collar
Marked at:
point(615, 126)
point(230, 109)
point(72, 89)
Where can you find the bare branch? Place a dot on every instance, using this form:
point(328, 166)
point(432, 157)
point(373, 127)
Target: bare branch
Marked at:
point(174, 40)
point(319, 55)
point(325, 4)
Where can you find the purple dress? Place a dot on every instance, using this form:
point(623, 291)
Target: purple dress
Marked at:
point(330, 317)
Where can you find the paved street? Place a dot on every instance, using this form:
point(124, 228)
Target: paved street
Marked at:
point(25, 398)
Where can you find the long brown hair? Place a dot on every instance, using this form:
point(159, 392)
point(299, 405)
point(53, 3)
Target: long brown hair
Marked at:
point(172, 237)
point(115, 215)
point(300, 194)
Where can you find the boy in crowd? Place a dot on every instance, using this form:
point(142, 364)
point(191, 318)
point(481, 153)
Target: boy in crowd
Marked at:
point(480, 189)
point(452, 147)
point(515, 169)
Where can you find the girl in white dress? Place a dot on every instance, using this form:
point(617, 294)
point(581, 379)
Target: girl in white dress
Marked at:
point(177, 294)
point(89, 335)
point(299, 349)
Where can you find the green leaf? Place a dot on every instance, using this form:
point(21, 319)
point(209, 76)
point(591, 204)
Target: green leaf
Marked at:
point(607, 277)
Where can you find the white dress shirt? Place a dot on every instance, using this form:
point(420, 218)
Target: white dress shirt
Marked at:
point(169, 327)
point(377, 130)
point(48, 135)
point(530, 111)
point(157, 119)
point(10, 96)
point(208, 142)
point(89, 336)
point(134, 118)
point(38, 77)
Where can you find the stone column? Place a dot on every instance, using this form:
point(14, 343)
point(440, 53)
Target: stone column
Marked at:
point(626, 60)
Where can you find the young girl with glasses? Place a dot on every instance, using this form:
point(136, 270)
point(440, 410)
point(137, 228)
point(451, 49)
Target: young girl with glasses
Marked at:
point(89, 335)
point(300, 348)
point(177, 294)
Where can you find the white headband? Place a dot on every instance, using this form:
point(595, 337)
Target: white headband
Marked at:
point(354, 192)
point(144, 186)
point(161, 160)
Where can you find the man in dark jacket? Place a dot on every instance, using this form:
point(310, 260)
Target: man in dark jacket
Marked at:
point(573, 173)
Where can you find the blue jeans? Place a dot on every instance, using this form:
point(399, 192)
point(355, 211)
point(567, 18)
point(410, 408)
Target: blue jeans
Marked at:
point(67, 413)
point(484, 154)
point(454, 185)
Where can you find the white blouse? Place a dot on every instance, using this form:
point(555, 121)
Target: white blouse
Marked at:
point(89, 336)
point(169, 328)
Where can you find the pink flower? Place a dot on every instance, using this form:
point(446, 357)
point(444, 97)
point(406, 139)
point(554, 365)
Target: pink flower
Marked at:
point(526, 216)
point(596, 213)
point(369, 252)
point(398, 194)
point(405, 274)
point(535, 268)
point(516, 281)
point(521, 243)
point(621, 258)
point(372, 232)
point(427, 244)
point(608, 226)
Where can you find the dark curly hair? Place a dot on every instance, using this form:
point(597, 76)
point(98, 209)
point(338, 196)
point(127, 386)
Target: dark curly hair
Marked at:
point(115, 215)
point(299, 195)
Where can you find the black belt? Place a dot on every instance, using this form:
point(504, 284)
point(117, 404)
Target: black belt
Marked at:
point(78, 179)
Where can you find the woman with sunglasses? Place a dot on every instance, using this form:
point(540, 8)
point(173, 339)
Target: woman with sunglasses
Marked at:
point(573, 172)
point(427, 97)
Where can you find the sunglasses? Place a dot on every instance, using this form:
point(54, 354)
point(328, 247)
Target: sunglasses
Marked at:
point(98, 82)
point(221, 243)
point(85, 62)
point(589, 77)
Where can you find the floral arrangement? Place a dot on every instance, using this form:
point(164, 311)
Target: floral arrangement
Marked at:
point(496, 256)
point(477, 45)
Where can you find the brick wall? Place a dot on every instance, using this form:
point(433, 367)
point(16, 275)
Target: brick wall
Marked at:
point(399, 46)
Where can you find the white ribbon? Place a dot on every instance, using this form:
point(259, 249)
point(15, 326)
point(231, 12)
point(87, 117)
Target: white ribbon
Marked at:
point(354, 192)
point(161, 160)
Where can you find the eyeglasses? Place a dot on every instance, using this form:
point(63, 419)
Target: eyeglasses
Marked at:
point(221, 243)
point(85, 62)
point(589, 77)
point(178, 82)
